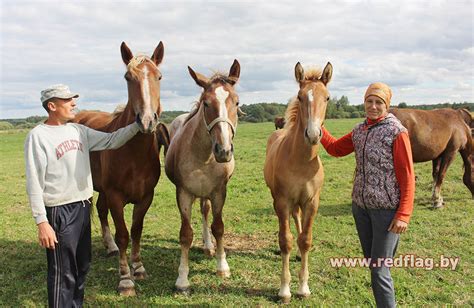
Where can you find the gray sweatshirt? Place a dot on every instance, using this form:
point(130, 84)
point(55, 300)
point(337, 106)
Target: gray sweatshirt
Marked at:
point(57, 162)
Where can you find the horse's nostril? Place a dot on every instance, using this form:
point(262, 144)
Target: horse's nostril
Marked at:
point(155, 116)
point(306, 133)
point(216, 148)
point(232, 148)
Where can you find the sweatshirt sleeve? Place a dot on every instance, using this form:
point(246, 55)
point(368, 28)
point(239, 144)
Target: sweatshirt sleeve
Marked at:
point(98, 140)
point(35, 165)
point(337, 147)
point(404, 172)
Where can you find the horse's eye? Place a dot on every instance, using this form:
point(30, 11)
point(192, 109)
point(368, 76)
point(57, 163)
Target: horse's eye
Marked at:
point(299, 98)
point(327, 99)
point(127, 76)
point(206, 103)
point(237, 104)
point(159, 77)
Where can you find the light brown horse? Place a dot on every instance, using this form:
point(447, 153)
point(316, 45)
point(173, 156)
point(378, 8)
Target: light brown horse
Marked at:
point(200, 162)
point(437, 135)
point(279, 122)
point(294, 173)
point(130, 173)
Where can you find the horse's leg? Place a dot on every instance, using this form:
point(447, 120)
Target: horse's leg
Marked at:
point(126, 285)
point(285, 240)
point(468, 178)
point(108, 240)
point(206, 234)
point(446, 159)
point(435, 191)
point(296, 213)
point(139, 211)
point(185, 201)
point(305, 240)
point(217, 227)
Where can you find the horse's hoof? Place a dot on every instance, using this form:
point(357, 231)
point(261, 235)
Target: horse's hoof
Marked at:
point(127, 292)
point(183, 291)
point(285, 299)
point(223, 274)
point(209, 252)
point(140, 275)
point(112, 253)
point(303, 295)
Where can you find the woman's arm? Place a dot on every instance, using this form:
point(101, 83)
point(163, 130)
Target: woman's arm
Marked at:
point(337, 147)
point(404, 172)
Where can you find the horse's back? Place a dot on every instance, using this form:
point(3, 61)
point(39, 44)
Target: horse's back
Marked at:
point(432, 131)
point(94, 119)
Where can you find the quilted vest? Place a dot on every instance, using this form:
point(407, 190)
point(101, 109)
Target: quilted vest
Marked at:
point(375, 184)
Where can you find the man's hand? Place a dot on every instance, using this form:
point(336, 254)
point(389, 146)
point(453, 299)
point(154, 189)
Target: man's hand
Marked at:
point(397, 226)
point(46, 235)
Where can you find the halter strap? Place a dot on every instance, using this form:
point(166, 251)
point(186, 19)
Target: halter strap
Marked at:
point(217, 120)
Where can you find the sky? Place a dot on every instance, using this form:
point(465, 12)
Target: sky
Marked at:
point(422, 49)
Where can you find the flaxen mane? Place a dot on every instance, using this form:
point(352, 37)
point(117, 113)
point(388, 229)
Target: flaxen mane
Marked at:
point(291, 114)
point(132, 66)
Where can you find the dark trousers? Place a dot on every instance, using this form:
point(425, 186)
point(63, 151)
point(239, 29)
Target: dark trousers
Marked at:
point(377, 243)
point(69, 262)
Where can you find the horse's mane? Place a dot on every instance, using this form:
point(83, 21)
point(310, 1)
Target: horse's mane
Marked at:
point(193, 111)
point(118, 110)
point(291, 114)
point(132, 66)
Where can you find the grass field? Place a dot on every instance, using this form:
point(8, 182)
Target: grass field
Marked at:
point(251, 240)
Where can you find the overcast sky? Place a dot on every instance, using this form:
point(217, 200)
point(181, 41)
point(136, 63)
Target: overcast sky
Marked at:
point(422, 49)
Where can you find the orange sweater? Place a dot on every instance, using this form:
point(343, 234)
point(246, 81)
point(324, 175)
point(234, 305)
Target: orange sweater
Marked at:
point(402, 160)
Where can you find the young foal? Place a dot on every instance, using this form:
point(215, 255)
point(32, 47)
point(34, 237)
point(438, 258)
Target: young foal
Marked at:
point(294, 173)
point(200, 162)
point(129, 174)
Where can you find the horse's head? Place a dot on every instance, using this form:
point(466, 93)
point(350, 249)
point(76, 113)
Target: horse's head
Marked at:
point(313, 97)
point(220, 105)
point(143, 83)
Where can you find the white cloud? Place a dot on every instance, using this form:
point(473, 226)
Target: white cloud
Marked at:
point(422, 49)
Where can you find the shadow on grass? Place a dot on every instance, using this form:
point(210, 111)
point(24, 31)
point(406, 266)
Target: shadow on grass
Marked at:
point(24, 279)
point(335, 209)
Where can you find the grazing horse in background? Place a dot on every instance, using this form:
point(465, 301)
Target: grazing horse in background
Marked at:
point(200, 162)
point(279, 122)
point(294, 173)
point(130, 173)
point(437, 135)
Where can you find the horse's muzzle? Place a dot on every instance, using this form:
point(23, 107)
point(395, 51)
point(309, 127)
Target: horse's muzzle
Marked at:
point(221, 154)
point(147, 124)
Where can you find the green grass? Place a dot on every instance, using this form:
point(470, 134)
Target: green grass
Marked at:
point(251, 240)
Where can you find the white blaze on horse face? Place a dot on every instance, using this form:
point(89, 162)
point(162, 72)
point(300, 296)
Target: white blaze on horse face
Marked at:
point(221, 96)
point(147, 112)
point(314, 124)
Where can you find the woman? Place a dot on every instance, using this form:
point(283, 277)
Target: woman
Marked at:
point(384, 184)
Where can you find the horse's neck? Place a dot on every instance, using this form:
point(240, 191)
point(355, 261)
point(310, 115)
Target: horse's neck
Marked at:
point(300, 150)
point(127, 116)
point(200, 140)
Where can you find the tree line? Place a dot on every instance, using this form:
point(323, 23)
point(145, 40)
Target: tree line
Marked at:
point(261, 112)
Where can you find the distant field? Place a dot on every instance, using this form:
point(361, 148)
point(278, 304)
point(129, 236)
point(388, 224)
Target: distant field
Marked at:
point(251, 240)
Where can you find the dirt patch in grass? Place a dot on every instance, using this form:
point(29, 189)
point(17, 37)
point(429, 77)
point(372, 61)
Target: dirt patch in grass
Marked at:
point(247, 242)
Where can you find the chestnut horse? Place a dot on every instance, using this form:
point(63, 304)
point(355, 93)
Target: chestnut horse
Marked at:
point(294, 173)
point(437, 135)
point(200, 162)
point(130, 173)
point(279, 122)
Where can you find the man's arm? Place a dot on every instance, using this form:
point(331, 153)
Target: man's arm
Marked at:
point(35, 161)
point(108, 141)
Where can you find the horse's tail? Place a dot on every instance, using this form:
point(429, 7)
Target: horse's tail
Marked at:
point(162, 137)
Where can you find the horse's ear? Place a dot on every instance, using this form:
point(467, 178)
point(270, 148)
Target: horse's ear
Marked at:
point(126, 53)
point(158, 54)
point(299, 72)
point(327, 74)
point(234, 72)
point(200, 79)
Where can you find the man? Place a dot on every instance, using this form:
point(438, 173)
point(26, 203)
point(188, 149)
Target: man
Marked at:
point(59, 186)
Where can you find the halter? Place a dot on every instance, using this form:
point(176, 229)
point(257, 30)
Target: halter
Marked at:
point(217, 120)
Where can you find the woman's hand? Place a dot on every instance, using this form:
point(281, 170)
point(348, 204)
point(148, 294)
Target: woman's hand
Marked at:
point(397, 226)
